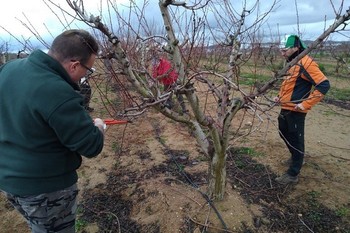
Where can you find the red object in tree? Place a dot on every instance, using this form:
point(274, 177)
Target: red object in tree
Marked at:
point(164, 68)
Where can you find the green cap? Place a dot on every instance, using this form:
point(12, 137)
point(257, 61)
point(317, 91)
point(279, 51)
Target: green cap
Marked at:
point(294, 41)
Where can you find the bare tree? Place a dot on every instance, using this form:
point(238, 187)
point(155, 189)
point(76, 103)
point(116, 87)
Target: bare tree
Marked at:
point(211, 122)
point(186, 40)
point(340, 53)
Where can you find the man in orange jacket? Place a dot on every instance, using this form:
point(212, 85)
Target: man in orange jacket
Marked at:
point(303, 88)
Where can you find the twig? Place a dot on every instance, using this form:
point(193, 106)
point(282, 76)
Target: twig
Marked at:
point(330, 102)
point(185, 195)
point(305, 224)
point(337, 147)
point(268, 174)
point(242, 181)
point(212, 227)
point(207, 220)
point(284, 191)
point(106, 212)
point(334, 156)
point(164, 199)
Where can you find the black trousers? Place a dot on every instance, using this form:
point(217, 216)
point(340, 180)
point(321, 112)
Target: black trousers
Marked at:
point(85, 91)
point(292, 130)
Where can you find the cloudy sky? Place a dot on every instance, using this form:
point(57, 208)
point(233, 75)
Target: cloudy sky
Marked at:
point(312, 15)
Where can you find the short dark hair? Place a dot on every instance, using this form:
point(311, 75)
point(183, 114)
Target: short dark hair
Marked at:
point(74, 44)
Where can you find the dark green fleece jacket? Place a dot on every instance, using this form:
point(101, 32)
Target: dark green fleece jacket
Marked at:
point(44, 128)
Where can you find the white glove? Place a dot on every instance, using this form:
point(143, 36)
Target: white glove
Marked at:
point(276, 99)
point(98, 122)
point(299, 107)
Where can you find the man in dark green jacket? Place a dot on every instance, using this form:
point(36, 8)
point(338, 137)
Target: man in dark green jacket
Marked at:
point(44, 130)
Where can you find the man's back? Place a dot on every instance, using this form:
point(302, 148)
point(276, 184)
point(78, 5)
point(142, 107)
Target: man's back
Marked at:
point(43, 127)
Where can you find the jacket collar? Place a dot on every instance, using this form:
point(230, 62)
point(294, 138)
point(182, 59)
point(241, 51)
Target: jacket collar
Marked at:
point(40, 58)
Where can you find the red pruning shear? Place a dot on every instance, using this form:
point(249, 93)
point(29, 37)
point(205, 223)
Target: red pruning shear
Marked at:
point(115, 122)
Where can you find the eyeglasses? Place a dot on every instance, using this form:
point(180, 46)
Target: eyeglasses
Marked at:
point(89, 71)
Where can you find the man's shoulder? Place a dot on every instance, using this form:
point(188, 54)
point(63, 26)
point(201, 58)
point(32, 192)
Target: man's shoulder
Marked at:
point(307, 59)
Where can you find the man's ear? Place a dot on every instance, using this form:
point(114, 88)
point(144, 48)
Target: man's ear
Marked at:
point(73, 65)
point(72, 69)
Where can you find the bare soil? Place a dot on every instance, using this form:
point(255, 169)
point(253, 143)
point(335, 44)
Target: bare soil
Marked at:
point(151, 177)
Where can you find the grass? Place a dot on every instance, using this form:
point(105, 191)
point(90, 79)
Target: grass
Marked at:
point(240, 164)
point(80, 225)
point(329, 112)
point(343, 212)
point(313, 195)
point(339, 94)
point(251, 78)
point(241, 151)
point(249, 151)
point(314, 212)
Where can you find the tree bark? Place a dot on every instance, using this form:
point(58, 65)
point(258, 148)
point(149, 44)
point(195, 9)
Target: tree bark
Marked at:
point(217, 175)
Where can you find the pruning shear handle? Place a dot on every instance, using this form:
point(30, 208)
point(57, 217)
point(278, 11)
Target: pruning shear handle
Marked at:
point(115, 122)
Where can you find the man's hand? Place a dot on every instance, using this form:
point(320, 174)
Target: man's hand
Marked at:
point(299, 107)
point(276, 99)
point(100, 124)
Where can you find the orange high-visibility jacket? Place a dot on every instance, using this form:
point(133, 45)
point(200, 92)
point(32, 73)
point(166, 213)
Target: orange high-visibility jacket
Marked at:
point(304, 84)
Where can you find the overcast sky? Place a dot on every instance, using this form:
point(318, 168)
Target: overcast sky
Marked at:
point(311, 13)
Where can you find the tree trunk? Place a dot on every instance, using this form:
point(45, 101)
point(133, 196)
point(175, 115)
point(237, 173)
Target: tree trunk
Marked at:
point(217, 176)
